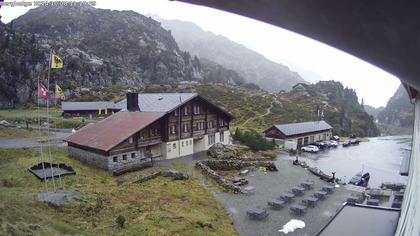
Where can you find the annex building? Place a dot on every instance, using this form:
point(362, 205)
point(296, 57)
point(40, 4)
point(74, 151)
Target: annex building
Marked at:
point(149, 127)
point(300, 134)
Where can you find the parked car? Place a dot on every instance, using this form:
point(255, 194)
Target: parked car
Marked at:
point(333, 143)
point(310, 148)
point(335, 138)
point(360, 179)
point(320, 144)
point(354, 141)
point(346, 143)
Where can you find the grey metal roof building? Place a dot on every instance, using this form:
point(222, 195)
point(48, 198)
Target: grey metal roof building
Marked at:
point(292, 129)
point(87, 106)
point(159, 102)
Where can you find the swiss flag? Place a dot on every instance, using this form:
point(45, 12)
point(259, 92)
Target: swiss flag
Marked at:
point(43, 91)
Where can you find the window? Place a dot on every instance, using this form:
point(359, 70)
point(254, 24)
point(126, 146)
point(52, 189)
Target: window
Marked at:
point(172, 129)
point(190, 142)
point(168, 146)
point(133, 155)
point(186, 111)
point(222, 136)
point(130, 140)
point(200, 125)
point(186, 143)
point(141, 136)
point(176, 112)
point(196, 109)
point(115, 159)
point(210, 124)
point(182, 143)
point(211, 139)
point(174, 146)
point(154, 132)
point(186, 128)
point(124, 157)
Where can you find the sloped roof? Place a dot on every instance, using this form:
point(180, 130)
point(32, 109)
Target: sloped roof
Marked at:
point(159, 102)
point(304, 127)
point(111, 131)
point(87, 106)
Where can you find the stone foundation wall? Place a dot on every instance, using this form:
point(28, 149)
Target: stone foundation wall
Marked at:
point(216, 177)
point(209, 167)
point(91, 158)
point(232, 164)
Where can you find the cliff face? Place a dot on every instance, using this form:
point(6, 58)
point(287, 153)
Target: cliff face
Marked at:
point(99, 47)
point(399, 111)
point(250, 65)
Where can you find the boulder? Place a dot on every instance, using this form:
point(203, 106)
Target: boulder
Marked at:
point(220, 151)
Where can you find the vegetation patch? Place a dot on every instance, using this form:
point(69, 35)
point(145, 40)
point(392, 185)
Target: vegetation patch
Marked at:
point(156, 207)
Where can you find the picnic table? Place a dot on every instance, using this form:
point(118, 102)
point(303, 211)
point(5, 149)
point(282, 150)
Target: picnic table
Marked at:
point(320, 194)
point(398, 196)
point(298, 209)
point(376, 193)
point(310, 201)
point(276, 204)
point(373, 202)
point(307, 184)
point(353, 199)
point(287, 197)
point(396, 203)
point(298, 190)
point(257, 213)
point(328, 188)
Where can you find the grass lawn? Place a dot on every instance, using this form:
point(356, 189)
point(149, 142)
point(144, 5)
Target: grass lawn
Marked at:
point(13, 133)
point(158, 207)
point(30, 115)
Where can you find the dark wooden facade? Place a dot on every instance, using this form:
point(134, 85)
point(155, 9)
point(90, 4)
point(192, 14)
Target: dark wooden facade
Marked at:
point(193, 119)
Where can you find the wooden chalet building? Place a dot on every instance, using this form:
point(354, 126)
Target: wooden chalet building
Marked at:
point(151, 126)
point(300, 133)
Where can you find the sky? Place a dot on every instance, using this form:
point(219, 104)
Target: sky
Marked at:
point(313, 60)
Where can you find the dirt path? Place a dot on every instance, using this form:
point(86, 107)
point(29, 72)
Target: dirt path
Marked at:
point(268, 111)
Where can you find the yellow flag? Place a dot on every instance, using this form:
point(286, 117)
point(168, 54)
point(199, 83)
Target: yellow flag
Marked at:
point(56, 62)
point(59, 92)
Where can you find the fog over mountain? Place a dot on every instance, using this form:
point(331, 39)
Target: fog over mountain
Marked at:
point(252, 66)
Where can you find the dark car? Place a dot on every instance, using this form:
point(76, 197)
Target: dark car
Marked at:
point(360, 179)
point(320, 144)
point(346, 143)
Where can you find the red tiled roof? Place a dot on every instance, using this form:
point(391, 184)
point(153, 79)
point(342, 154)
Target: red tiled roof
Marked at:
point(111, 131)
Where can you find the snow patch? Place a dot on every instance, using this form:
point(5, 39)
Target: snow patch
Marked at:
point(292, 225)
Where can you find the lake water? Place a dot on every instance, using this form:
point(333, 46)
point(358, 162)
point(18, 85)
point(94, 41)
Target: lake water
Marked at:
point(380, 156)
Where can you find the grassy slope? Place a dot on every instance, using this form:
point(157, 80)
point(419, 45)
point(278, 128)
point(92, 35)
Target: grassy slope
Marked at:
point(157, 207)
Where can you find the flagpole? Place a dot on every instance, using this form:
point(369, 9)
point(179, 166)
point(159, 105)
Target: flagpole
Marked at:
point(41, 148)
point(48, 122)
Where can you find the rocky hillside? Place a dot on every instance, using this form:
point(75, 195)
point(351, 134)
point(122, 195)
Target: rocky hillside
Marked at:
point(99, 47)
point(252, 66)
point(399, 112)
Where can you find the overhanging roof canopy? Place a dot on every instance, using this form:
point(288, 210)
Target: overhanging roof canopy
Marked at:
point(384, 33)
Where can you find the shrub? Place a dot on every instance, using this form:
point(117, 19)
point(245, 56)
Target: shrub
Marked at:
point(120, 220)
point(253, 140)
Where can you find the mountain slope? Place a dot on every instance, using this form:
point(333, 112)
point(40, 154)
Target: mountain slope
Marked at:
point(373, 111)
point(100, 48)
point(253, 67)
point(399, 111)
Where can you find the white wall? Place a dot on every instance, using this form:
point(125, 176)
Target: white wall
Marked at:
point(181, 148)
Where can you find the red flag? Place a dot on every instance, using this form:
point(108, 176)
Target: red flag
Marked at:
point(43, 91)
